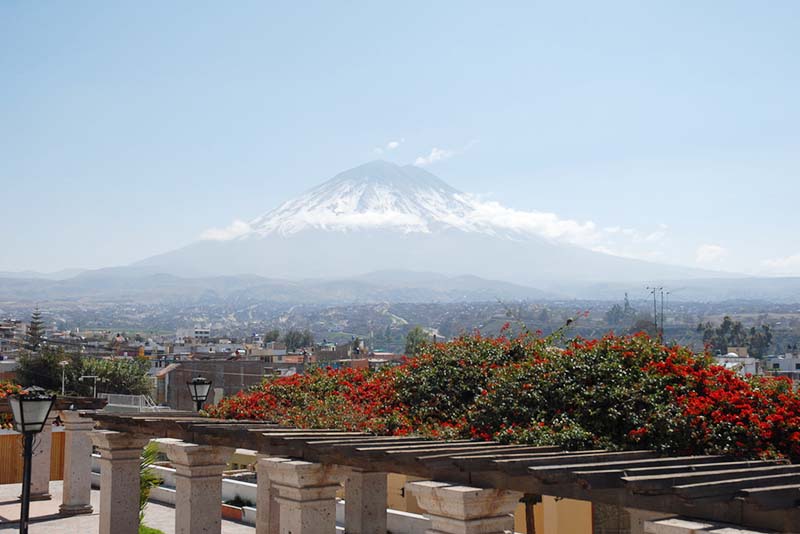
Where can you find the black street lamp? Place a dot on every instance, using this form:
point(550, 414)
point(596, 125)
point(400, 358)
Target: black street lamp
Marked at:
point(30, 409)
point(198, 389)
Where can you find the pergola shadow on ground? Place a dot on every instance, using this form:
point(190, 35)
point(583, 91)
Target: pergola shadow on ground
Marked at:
point(471, 486)
point(46, 518)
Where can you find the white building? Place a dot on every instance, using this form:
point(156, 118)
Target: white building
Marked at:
point(197, 334)
point(739, 364)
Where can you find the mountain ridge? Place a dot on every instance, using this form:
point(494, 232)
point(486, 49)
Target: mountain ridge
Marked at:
point(380, 216)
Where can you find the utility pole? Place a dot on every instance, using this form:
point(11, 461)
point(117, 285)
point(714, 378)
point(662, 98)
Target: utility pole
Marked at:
point(662, 314)
point(653, 291)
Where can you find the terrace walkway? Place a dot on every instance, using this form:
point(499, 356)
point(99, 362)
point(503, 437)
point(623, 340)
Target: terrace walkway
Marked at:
point(46, 519)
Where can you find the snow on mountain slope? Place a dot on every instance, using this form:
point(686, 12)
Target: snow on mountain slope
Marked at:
point(407, 199)
point(375, 195)
point(382, 216)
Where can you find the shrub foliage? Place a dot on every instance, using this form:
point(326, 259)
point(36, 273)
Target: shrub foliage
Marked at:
point(616, 392)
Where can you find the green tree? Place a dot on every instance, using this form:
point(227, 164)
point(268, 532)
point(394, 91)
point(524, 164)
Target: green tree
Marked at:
point(35, 335)
point(123, 375)
point(760, 341)
point(272, 335)
point(308, 338)
point(416, 341)
point(293, 339)
point(732, 333)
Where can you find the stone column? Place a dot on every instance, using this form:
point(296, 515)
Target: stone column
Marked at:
point(198, 485)
point(365, 502)
point(120, 456)
point(455, 509)
point(40, 466)
point(77, 464)
point(267, 508)
point(306, 495)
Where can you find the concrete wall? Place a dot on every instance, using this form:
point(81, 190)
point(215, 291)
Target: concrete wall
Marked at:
point(228, 376)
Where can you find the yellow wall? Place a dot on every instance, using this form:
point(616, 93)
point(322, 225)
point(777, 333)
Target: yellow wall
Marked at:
point(551, 516)
point(11, 455)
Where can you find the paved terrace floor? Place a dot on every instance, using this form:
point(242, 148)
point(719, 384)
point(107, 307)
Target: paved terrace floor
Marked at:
point(45, 518)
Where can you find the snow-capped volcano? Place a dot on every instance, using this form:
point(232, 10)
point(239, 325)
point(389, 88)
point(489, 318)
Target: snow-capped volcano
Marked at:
point(407, 199)
point(374, 195)
point(381, 216)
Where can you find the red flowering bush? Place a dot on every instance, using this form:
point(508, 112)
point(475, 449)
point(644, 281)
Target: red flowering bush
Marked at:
point(615, 392)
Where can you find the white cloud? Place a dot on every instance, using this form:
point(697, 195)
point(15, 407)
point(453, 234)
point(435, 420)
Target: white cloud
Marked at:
point(236, 229)
point(391, 145)
point(437, 154)
point(710, 253)
point(787, 265)
point(615, 240)
point(441, 154)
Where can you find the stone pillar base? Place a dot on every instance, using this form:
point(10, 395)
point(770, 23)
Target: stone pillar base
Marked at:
point(456, 509)
point(39, 497)
point(305, 494)
point(75, 510)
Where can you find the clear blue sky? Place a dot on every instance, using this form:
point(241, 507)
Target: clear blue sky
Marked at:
point(127, 129)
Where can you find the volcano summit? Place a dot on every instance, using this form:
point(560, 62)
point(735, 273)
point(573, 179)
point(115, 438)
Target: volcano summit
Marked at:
point(381, 216)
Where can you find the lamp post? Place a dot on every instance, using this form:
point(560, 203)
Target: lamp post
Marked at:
point(198, 389)
point(63, 364)
point(30, 409)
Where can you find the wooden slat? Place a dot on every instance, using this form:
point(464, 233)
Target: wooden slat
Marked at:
point(773, 497)
point(574, 458)
point(424, 446)
point(611, 478)
point(726, 488)
point(650, 483)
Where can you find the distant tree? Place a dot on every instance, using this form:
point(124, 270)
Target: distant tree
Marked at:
point(356, 345)
point(124, 375)
point(416, 341)
point(760, 341)
point(308, 338)
point(293, 339)
point(35, 335)
point(296, 339)
point(615, 315)
point(732, 333)
point(272, 335)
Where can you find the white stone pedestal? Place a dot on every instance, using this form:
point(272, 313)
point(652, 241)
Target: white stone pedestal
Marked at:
point(40, 466)
point(77, 464)
point(455, 509)
point(198, 485)
point(306, 495)
point(267, 508)
point(120, 457)
point(365, 502)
